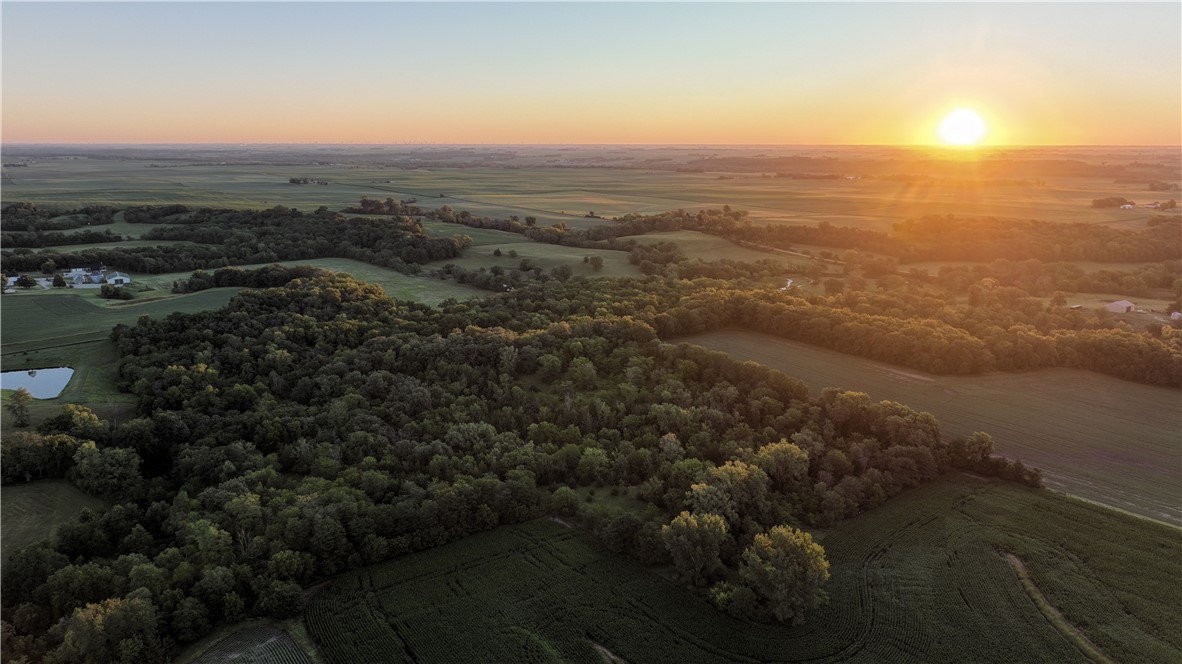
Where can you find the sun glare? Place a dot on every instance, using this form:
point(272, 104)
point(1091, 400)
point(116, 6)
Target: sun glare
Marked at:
point(964, 126)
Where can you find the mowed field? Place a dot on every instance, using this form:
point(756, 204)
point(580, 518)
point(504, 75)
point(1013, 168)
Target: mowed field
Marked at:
point(1094, 436)
point(713, 248)
point(545, 256)
point(29, 512)
point(396, 284)
point(36, 320)
point(254, 644)
point(561, 194)
point(923, 578)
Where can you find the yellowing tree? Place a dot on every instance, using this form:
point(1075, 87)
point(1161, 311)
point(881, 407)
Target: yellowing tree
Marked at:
point(785, 569)
point(695, 542)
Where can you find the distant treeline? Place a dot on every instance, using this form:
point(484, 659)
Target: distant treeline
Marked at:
point(995, 334)
point(57, 238)
point(236, 237)
point(27, 217)
point(927, 239)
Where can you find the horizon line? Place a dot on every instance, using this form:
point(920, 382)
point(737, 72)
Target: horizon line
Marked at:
point(491, 144)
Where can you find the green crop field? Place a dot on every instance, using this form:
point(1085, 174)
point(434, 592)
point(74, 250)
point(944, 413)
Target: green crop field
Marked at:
point(30, 512)
point(1094, 436)
point(923, 578)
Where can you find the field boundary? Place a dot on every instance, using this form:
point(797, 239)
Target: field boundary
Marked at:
point(1053, 615)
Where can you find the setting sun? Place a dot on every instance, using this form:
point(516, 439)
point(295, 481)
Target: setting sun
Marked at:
point(963, 126)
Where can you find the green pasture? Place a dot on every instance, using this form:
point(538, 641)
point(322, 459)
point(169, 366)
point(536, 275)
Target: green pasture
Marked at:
point(37, 320)
point(923, 578)
point(1098, 437)
point(64, 329)
point(712, 248)
point(480, 236)
point(30, 512)
point(547, 257)
point(396, 284)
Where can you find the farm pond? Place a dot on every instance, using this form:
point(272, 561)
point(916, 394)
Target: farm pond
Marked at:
point(41, 383)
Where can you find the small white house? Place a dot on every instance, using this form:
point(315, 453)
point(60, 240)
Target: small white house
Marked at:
point(118, 279)
point(10, 281)
point(1177, 315)
point(1120, 307)
point(1127, 206)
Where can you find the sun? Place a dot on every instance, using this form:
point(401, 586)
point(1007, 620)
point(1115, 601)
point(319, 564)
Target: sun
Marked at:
point(963, 126)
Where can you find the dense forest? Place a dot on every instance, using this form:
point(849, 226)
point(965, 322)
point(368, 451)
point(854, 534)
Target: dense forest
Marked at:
point(317, 426)
point(235, 237)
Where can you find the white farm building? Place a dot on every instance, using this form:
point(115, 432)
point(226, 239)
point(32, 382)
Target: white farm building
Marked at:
point(1120, 307)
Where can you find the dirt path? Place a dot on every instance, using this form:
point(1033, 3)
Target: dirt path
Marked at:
point(1052, 614)
point(608, 656)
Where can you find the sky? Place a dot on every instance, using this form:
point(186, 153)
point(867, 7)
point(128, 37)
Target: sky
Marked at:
point(573, 73)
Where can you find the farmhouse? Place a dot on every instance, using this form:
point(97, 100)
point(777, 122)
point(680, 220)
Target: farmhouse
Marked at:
point(118, 279)
point(1177, 315)
point(1126, 206)
point(1120, 307)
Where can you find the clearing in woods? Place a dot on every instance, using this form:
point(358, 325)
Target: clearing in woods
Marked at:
point(1094, 436)
point(923, 578)
point(29, 512)
point(256, 644)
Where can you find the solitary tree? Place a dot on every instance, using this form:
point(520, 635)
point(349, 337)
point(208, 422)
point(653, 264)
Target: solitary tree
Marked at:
point(59, 281)
point(18, 405)
point(597, 262)
point(785, 569)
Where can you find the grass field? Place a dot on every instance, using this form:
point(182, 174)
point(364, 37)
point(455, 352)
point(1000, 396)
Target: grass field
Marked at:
point(923, 578)
point(712, 248)
point(36, 320)
point(30, 512)
point(547, 257)
point(1094, 436)
point(252, 644)
point(64, 329)
point(396, 284)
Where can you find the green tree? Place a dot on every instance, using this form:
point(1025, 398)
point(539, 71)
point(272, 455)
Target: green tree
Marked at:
point(785, 569)
point(112, 472)
point(597, 263)
point(564, 501)
point(695, 542)
point(18, 405)
point(59, 281)
point(966, 453)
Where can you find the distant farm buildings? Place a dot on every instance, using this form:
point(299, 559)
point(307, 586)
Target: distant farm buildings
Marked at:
point(1177, 315)
point(118, 279)
point(1120, 307)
